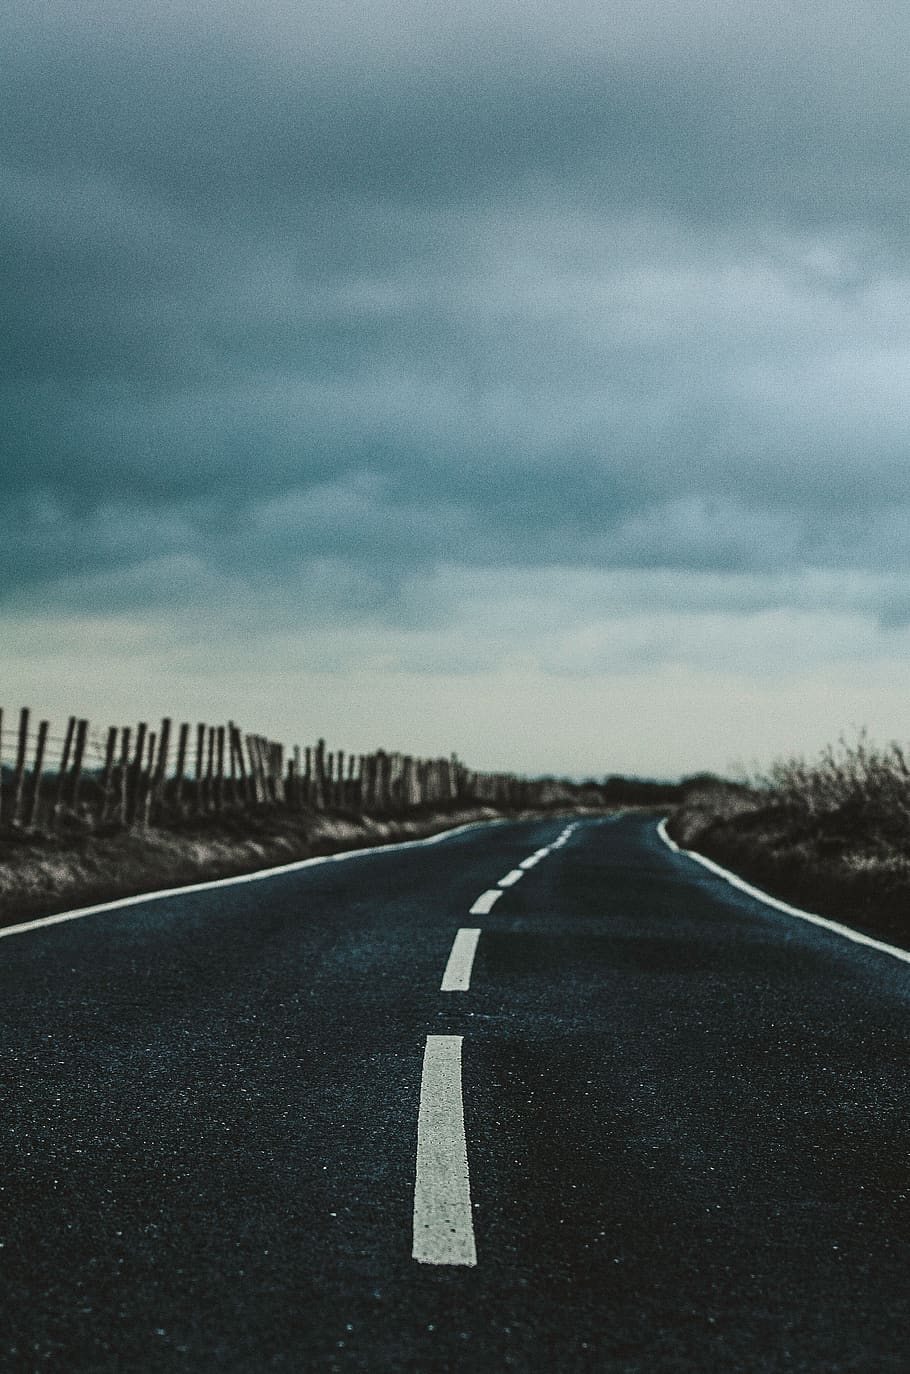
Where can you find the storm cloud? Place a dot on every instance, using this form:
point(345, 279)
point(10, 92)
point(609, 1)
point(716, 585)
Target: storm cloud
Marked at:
point(420, 324)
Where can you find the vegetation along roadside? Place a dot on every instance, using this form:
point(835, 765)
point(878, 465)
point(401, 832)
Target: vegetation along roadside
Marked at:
point(831, 835)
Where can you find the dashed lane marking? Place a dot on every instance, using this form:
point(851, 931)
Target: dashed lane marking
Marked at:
point(457, 976)
point(511, 878)
point(485, 902)
point(443, 1224)
point(530, 862)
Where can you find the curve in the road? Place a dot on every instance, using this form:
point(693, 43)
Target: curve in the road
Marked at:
point(825, 922)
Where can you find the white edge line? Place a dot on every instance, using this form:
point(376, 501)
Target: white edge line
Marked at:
point(457, 976)
point(735, 881)
point(211, 884)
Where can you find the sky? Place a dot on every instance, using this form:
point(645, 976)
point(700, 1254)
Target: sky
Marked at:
point(528, 381)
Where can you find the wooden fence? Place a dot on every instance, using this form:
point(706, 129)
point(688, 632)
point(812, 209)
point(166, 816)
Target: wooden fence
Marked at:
point(135, 776)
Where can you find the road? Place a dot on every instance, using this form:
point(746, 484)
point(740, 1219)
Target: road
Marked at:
point(663, 1126)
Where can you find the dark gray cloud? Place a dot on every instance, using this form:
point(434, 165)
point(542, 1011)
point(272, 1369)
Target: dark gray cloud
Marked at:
point(287, 291)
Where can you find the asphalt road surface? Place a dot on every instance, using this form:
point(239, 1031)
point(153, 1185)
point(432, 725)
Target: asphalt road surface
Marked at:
point(650, 1124)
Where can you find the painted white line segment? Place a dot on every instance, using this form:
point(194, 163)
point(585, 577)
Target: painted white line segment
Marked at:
point(457, 977)
point(256, 877)
point(541, 853)
point(443, 1225)
point(530, 862)
point(735, 881)
point(511, 878)
point(485, 902)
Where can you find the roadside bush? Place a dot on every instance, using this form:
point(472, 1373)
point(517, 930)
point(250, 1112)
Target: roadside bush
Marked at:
point(831, 834)
point(857, 791)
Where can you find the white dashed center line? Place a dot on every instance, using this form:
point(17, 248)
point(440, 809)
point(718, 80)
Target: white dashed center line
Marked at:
point(443, 1224)
point(485, 902)
point(457, 977)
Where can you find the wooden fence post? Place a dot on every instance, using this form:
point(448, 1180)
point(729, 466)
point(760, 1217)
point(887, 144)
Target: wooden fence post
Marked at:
point(64, 765)
point(237, 789)
point(297, 796)
point(109, 753)
point(37, 768)
point(147, 782)
point(123, 778)
point(265, 767)
point(136, 770)
point(231, 784)
point(262, 771)
point(259, 762)
point(254, 773)
point(262, 766)
point(180, 771)
point(78, 760)
point(247, 791)
point(200, 765)
point(374, 781)
point(219, 785)
point(19, 770)
point(267, 758)
point(278, 768)
point(252, 744)
point(210, 769)
point(319, 768)
point(160, 774)
point(383, 781)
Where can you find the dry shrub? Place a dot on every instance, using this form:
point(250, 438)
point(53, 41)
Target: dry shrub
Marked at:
point(859, 791)
point(831, 834)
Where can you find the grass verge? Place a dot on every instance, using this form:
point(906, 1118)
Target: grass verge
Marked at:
point(43, 875)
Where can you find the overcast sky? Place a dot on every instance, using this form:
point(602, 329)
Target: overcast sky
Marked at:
point(519, 379)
